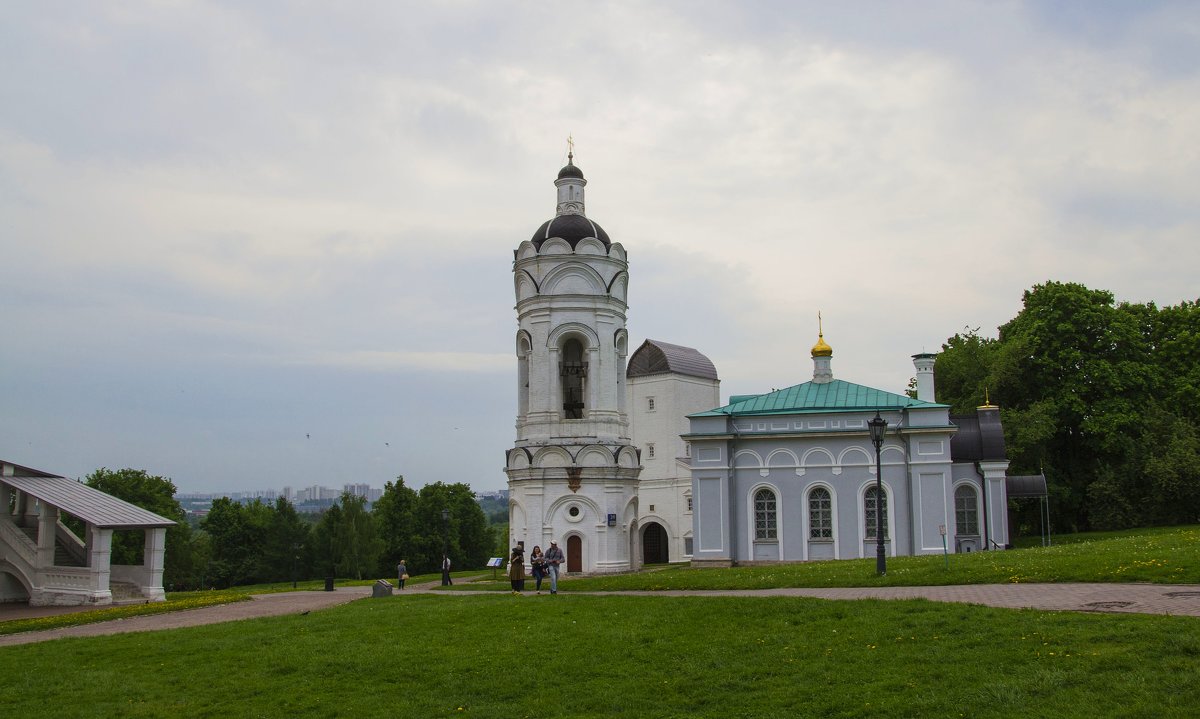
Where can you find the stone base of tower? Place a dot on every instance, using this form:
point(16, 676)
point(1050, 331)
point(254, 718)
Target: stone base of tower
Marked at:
point(591, 511)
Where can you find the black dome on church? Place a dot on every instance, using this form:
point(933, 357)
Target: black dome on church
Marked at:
point(570, 170)
point(571, 228)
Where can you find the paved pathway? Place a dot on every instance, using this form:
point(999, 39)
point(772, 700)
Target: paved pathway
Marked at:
point(260, 605)
point(1177, 599)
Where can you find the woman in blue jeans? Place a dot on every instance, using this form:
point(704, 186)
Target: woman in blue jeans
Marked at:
point(538, 562)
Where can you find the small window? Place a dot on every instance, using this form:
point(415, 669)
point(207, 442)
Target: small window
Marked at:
point(649, 404)
point(765, 527)
point(650, 450)
point(687, 449)
point(573, 511)
point(869, 516)
point(820, 514)
point(687, 546)
point(966, 510)
point(689, 505)
point(652, 508)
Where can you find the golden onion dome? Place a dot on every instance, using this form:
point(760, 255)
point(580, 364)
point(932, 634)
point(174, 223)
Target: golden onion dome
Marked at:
point(821, 348)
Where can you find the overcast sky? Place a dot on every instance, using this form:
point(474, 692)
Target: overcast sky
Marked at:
point(259, 244)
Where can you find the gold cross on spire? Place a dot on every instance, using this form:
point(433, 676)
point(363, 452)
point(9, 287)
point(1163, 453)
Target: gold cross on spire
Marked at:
point(570, 147)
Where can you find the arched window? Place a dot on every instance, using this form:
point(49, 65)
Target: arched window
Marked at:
point(966, 510)
point(573, 371)
point(872, 502)
point(523, 352)
point(764, 515)
point(820, 514)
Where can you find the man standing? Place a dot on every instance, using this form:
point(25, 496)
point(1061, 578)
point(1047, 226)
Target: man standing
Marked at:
point(446, 570)
point(554, 557)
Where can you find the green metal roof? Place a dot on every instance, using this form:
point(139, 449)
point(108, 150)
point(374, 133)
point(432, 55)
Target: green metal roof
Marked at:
point(835, 396)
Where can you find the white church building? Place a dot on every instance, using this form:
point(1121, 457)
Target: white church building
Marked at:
point(631, 459)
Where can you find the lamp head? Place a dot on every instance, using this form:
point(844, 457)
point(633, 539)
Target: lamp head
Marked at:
point(878, 425)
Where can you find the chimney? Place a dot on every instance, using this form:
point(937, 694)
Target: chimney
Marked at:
point(924, 364)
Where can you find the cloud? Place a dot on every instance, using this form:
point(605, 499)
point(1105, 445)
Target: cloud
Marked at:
point(262, 204)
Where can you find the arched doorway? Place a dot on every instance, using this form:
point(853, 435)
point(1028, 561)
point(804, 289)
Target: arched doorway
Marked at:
point(574, 553)
point(655, 544)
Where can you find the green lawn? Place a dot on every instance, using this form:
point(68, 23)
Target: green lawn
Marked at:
point(530, 656)
point(1165, 556)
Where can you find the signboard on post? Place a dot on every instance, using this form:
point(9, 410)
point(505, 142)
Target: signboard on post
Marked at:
point(495, 563)
point(945, 553)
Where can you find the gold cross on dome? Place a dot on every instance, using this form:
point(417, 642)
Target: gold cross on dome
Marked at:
point(570, 145)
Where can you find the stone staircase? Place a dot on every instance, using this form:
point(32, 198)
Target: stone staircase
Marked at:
point(62, 556)
point(126, 593)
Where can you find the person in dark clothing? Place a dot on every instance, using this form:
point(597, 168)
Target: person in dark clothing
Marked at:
point(537, 564)
point(516, 570)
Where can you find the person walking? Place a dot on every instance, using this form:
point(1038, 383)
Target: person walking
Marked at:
point(516, 570)
point(538, 564)
point(554, 560)
point(401, 574)
point(446, 570)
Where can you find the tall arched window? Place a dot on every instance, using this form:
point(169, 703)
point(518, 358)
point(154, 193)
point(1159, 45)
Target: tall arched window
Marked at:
point(573, 371)
point(872, 502)
point(523, 351)
point(966, 510)
point(764, 515)
point(820, 514)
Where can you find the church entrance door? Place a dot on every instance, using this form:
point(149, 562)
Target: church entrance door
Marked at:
point(654, 545)
point(574, 554)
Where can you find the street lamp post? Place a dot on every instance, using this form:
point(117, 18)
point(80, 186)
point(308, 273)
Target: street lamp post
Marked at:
point(878, 426)
point(296, 547)
point(445, 546)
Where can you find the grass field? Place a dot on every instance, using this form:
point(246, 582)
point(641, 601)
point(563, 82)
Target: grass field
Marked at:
point(178, 601)
point(1166, 556)
point(506, 656)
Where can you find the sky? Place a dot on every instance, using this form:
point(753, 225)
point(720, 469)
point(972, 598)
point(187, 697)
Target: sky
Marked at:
point(251, 245)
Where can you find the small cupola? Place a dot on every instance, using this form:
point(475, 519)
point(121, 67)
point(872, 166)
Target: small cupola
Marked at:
point(570, 184)
point(822, 356)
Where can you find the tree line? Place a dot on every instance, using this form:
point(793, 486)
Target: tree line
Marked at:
point(259, 542)
point(1103, 397)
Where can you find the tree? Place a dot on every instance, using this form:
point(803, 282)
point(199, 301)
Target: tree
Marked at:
point(229, 544)
point(394, 518)
point(348, 543)
point(1098, 395)
point(962, 370)
point(288, 549)
point(156, 494)
point(470, 540)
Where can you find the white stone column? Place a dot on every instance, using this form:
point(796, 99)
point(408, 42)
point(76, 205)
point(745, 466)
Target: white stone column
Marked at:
point(100, 557)
point(995, 497)
point(47, 522)
point(152, 564)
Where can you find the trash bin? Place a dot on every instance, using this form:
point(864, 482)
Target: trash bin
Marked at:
point(329, 584)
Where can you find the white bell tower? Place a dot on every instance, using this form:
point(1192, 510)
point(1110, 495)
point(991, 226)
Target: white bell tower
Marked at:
point(572, 473)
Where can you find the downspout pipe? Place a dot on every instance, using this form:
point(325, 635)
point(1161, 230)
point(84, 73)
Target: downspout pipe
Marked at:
point(987, 534)
point(907, 441)
point(732, 482)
